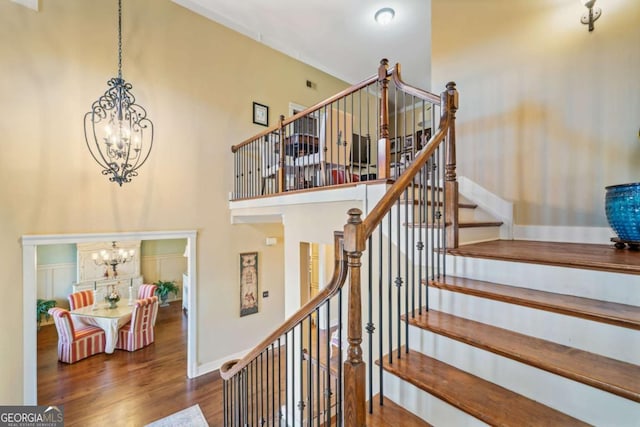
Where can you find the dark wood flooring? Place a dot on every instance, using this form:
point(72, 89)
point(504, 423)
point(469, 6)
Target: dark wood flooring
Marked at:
point(134, 389)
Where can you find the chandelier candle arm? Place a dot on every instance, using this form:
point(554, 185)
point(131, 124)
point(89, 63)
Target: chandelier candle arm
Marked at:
point(117, 131)
point(113, 258)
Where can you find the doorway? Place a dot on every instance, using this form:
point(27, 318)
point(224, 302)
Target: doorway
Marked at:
point(29, 279)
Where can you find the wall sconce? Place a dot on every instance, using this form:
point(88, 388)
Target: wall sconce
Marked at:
point(592, 15)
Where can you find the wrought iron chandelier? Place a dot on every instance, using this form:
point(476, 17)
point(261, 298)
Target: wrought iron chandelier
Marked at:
point(117, 131)
point(113, 258)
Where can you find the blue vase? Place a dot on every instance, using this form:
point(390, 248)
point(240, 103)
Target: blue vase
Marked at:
point(622, 206)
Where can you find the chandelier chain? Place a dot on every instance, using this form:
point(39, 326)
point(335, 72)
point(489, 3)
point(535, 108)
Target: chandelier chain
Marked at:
point(120, 39)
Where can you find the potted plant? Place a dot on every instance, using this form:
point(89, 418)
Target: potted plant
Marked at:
point(42, 308)
point(164, 288)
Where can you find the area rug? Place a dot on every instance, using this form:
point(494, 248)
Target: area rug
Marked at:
point(190, 417)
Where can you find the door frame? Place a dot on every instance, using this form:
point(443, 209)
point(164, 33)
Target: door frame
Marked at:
point(30, 285)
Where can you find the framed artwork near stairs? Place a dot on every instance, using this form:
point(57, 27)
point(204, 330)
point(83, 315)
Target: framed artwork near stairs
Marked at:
point(248, 283)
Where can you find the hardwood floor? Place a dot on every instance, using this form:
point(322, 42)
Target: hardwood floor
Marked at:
point(134, 389)
point(128, 389)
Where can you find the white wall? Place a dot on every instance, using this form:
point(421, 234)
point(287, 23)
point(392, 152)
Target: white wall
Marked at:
point(549, 112)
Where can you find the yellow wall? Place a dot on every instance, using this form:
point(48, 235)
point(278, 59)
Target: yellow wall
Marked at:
point(549, 112)
point(197, 81)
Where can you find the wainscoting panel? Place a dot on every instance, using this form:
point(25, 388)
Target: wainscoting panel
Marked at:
point(55, 281)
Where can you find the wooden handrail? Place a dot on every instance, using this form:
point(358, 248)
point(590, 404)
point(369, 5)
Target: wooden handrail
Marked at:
point(356, 233)
point(309, 110)
point(419, 93)
point(380, 210)
point(231, 368)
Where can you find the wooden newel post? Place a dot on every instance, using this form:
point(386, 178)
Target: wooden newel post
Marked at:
point(450, 101)
point(384, 151)
point(354, 366)
point(281, 160)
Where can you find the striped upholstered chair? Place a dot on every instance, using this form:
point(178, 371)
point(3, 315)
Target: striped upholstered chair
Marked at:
point(139, 331)
point(146, 291)
point(80, 299)
point(76, 343)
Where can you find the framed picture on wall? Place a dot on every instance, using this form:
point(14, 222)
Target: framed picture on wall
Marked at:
point(408, 143)
point(248, 283)
point(421, 140)
point(260, 114)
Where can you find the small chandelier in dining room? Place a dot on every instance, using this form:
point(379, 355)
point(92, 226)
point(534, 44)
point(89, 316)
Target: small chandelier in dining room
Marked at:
point(117, 131)
point(113, 258)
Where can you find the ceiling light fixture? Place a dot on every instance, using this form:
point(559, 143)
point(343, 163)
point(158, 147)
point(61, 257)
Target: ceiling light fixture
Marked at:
point(117, 131)
point(113, 258)
point(592, 15)
point(384, 15)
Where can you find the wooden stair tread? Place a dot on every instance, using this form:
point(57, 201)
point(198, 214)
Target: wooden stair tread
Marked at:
point(392, 415)
point(613, 376)
point(623, 315)
point(482, 399)
point(578, 255)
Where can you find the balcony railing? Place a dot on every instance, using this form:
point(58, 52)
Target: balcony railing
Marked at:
point(370, 131)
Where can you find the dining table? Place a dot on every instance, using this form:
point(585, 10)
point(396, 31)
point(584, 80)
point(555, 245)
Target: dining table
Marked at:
point(108, 319)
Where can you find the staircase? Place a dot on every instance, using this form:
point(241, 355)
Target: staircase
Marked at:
point(526, 333)
point(516, 333)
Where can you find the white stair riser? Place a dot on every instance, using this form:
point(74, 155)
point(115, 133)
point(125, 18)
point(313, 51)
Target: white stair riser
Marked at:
point(601, 285)
point(578, 400)
point(431, 409)
point(607, 340)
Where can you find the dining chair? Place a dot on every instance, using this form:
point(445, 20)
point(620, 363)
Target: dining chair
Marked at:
point(80, 299)
point(76, 342)
point(139, 332)
point(146, 291)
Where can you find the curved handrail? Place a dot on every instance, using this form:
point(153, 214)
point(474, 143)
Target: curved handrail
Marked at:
point(427, 96)
point(374, 217)
point(383, 206)
point(232, 367)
